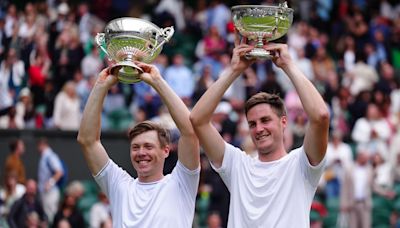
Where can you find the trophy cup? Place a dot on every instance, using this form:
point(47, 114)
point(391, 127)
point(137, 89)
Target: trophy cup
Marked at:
point(128, 39)
point(262, 23)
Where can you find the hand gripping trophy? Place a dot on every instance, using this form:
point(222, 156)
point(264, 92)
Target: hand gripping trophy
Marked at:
point(128, 39)
point(262, 23)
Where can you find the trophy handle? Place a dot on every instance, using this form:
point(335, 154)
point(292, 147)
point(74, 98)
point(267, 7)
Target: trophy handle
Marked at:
point(166, 34)
point(100, 40)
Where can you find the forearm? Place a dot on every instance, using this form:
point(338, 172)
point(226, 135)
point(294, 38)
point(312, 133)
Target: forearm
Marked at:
point(89, 131)
point(205, 107)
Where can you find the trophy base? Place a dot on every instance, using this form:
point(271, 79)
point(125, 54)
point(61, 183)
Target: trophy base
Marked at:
point(128, 72)
point(258, 53)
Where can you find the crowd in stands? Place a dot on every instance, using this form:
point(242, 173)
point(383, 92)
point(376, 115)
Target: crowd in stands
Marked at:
point(349, 49)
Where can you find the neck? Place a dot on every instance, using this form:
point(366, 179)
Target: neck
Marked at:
point(272, 156)
point(150, 179)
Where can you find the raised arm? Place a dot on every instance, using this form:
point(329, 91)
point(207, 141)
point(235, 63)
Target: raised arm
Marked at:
point(90, 128)
point(188, 145)
point(210, 139)
point(316, 137)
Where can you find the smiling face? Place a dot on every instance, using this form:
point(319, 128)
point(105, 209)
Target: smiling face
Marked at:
point(148, 156)
point(266, 129)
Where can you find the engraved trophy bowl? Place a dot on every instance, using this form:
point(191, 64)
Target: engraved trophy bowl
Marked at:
point(262, 23)
point(128, 39)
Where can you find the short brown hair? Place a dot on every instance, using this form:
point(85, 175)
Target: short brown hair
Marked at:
point(273, 100)
point(145, 126)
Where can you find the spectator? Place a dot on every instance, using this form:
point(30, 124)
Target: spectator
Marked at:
point(9, 193)
point(356, 192)
point(372, 132)
point(100, 211)
point(49, 172)
point(13, 162)
point(180, 78)
point(25, 206)
point(12, 73)
point(67, 114)
point(68, 211)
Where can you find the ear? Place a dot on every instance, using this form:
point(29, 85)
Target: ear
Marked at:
point(284, 122)
point(166, 151)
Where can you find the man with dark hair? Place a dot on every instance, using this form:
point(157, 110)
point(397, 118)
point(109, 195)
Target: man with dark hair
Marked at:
point(276, 188)
point(13, 161)
point(152, 199)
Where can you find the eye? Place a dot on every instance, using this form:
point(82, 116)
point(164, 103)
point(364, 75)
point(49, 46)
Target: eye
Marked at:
point(252, 124)
point(148, 147)
point(265, 120)
point(135, 147)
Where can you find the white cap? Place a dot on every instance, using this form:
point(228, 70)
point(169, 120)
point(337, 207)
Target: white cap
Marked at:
point(63, 8)
point(223, 107)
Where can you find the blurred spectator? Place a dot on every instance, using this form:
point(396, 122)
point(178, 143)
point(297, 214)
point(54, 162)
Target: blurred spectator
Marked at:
point(214, 220)
point(222, 121)
point(23, 208)
point(49, 172)
point(25, 111)
point(175, 8)
point(338, 151)
point(204, 81)
point(38, 73)
point(356, 192)
point(146, 100)
point(12, 73)
point(383, 177)
point(10, 20)
point(28, 27)
point(68, 211)
point(13, 163)
point(218, 15)
point(68, 55)
point(372, 132)
point(92, 64)
point(9, 193)
point(362, 77)
point(213, 43)
point(75, 189)
point(100, 211)
point(67, 114)
point(180, 78)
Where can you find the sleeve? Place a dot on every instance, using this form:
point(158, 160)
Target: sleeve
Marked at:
point(310, 172)
point(188, 181)
point(228, 168)
point(55, 163)
point(111, 178)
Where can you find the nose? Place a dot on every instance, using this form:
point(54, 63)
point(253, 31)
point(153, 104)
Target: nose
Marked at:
point(259, 128)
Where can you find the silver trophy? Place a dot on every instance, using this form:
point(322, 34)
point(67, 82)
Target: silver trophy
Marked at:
point(128, 39)
point(262, 23)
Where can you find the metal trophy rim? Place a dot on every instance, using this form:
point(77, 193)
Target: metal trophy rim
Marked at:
point(132, 18)
point(277, 6)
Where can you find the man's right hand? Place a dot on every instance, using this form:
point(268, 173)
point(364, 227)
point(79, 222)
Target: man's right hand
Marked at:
point(107, 78)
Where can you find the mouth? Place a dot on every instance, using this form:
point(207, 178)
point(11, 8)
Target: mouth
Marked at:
point(262, 136)
point(143, 162)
